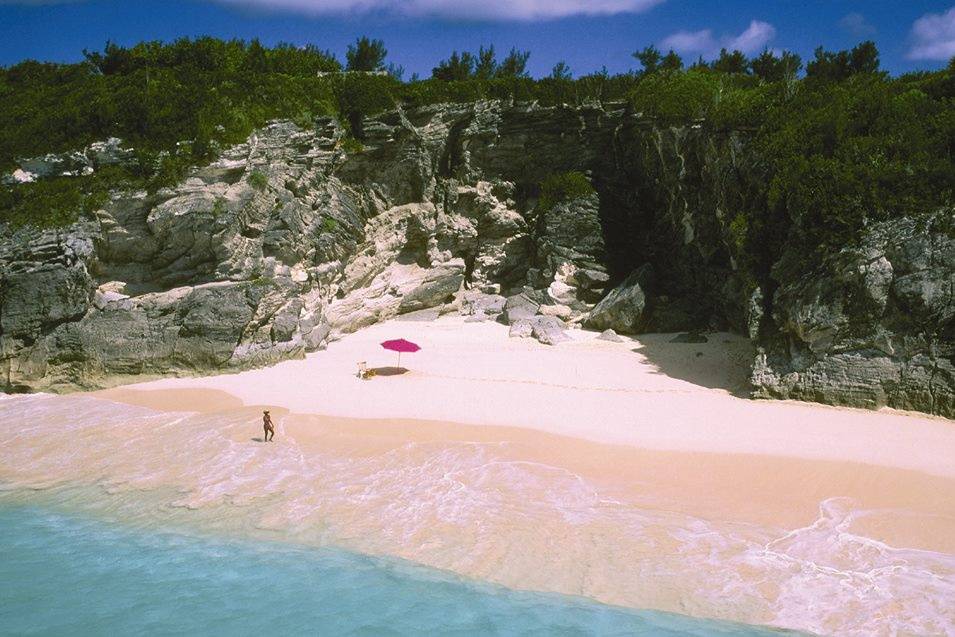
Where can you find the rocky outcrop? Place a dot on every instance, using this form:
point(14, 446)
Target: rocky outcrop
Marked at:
point(97, 155)
point(520, 307)
point(284, 242)
point(875, 326)
point(570, 256)
point(289, 240)
point(623, 308)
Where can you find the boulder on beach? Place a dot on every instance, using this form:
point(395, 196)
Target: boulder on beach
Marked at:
point(479, 306)
point(520, 306)
point(521, 328)
point(549, 330)
point(622, 310)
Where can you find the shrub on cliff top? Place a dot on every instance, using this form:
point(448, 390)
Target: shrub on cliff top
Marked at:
point(887, 142)
point(51, 203)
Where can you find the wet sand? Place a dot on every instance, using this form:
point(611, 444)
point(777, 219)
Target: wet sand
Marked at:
point(742, 488)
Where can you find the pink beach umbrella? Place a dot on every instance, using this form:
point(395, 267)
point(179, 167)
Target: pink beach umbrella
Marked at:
point(400, 345)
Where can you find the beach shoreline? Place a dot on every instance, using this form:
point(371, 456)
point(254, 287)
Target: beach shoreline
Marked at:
point(631, 473)
point(750, 488)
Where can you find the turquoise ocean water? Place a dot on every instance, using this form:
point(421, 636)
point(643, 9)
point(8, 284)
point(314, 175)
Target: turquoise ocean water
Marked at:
point(66, 574)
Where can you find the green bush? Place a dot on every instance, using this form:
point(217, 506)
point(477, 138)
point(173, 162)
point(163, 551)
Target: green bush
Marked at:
point(739, 235)
point(838, 149)
point(219, 208)
point(678, 98)
point(51, 202)
point(352, 145)
point(563, 187)
point(360, 96)
point(258, 180)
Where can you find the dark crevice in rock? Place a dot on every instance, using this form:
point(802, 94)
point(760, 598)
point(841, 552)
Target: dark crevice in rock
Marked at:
point(453, 156)
point(469, 268)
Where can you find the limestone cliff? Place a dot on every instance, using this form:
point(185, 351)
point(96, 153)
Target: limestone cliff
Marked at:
point(299, 235)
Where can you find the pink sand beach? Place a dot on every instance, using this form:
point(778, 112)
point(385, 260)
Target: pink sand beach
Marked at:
point(634, 473)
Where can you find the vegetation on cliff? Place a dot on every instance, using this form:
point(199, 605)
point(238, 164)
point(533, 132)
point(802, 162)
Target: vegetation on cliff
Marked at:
point(563, 187)
point(843, 143)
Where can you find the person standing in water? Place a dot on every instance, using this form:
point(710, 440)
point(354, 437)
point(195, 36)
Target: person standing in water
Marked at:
point(268, 426)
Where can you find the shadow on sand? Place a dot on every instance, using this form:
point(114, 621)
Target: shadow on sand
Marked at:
point(724, 362)
point(388, 371)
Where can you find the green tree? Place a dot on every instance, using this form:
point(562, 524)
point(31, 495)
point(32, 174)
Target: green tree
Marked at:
point(514, 65)
point(677, 98)
point(766, 66)
point(699, 65)
point(864, 58)
point(791, 64)
point(455, 68)
point(731, 62)
point(485, 66)
point(650, 58)
point(560, 71)
point(828, 65)
point(112, 60)
point(769, 68)
point(256, 60)
point(301, 61)
point(671, 62)
point(366, 55)
point(395, 70)
point(836, 66)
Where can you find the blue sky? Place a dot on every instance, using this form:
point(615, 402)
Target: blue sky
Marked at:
point(587, 34)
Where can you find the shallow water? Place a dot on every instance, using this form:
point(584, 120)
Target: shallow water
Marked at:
point(67, 574)
point(480, 509)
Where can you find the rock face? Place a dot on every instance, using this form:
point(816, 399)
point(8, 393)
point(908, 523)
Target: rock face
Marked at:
point(877, 328)
point(571, 256)
point(288, 241)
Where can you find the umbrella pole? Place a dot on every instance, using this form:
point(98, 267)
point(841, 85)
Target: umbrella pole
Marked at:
point(399, 360)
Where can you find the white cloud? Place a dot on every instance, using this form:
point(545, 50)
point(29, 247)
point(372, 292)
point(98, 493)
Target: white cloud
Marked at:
point(756, 36)
point(459, 9)
point(856, 24)
point(933, 36)
point(466, 9)
point(691, 41)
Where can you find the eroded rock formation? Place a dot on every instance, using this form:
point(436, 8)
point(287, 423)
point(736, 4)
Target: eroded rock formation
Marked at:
point(289, 240)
